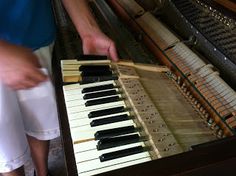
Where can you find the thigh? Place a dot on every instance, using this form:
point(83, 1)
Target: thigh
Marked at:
point(13, 142)
point(38, 105)
point(44, 55)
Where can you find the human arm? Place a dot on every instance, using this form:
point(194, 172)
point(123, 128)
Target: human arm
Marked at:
point(93, 39)
point(19, 67)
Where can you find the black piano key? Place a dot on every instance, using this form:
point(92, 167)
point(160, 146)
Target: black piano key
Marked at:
point(97, 88)
point(121, 153)
point(106, 143)
point(99, 94)
point(107, 120)
point(92, 79)
point(91, 57)
point(114, 132)
point(97, 73)
point(108, 111)
point(102, 101)
point(94, 68)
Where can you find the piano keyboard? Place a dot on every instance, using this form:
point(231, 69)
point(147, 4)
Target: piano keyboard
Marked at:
point(114, 123)
point(104, 134)
point(109, 122)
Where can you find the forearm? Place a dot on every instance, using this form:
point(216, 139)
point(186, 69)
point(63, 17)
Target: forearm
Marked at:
point(10, 52)
point(7, 49)
point(81, 16)
point(4, 47)
point(93, 39)
point(3, 44)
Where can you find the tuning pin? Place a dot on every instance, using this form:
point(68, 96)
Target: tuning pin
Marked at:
point(201, 109)
point(220, 133)
point(185, 90)
point(178, 80)
point(166, 149)
point(214, 125)
point(210, 121)
point(198, 106)
point(190, 96)
point(206, 115)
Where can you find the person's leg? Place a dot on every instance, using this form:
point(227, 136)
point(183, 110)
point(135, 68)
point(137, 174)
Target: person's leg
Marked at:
point(17, 172)
point(39, 110)
point(39, 152)
point(14, 149)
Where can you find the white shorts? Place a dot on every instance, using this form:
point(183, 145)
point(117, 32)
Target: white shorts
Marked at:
point(32, 111)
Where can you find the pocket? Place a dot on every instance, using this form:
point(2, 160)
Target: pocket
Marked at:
point(44, 89)
point(38, 107)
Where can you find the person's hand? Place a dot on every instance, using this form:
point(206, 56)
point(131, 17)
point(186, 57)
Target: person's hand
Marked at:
point(19, 67)
point(99, 43)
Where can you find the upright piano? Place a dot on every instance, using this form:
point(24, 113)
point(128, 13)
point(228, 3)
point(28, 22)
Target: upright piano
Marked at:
point(176, 97)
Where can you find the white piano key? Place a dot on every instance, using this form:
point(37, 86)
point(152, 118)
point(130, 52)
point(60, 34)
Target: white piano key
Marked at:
point(70, 67)
point(84, 146)
point(78, 115)
point(76, 92)
point(78, 95)
point(75, 103)
point(97, 164)
point(71, 87)
point(71, 73)
point(81, 102)
point(85, 132)
point(82, 115)
point(114, 167)
point(73, 110)
point(86, 121)
point(84, 62)
point(88, 135)
point(78, 86)
point(67, 67)
point(94, 153)
point(101, 127)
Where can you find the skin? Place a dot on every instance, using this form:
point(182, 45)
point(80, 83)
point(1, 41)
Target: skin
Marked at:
point(19, 69)
point(94, 41)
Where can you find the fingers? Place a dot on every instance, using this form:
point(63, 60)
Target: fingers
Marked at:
point(33, 79)
point(113, 52)
point(26, 84)
point(35, 62)
point(25, 80)
point(86, 49)
point(109, 50)
point(38, 76)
